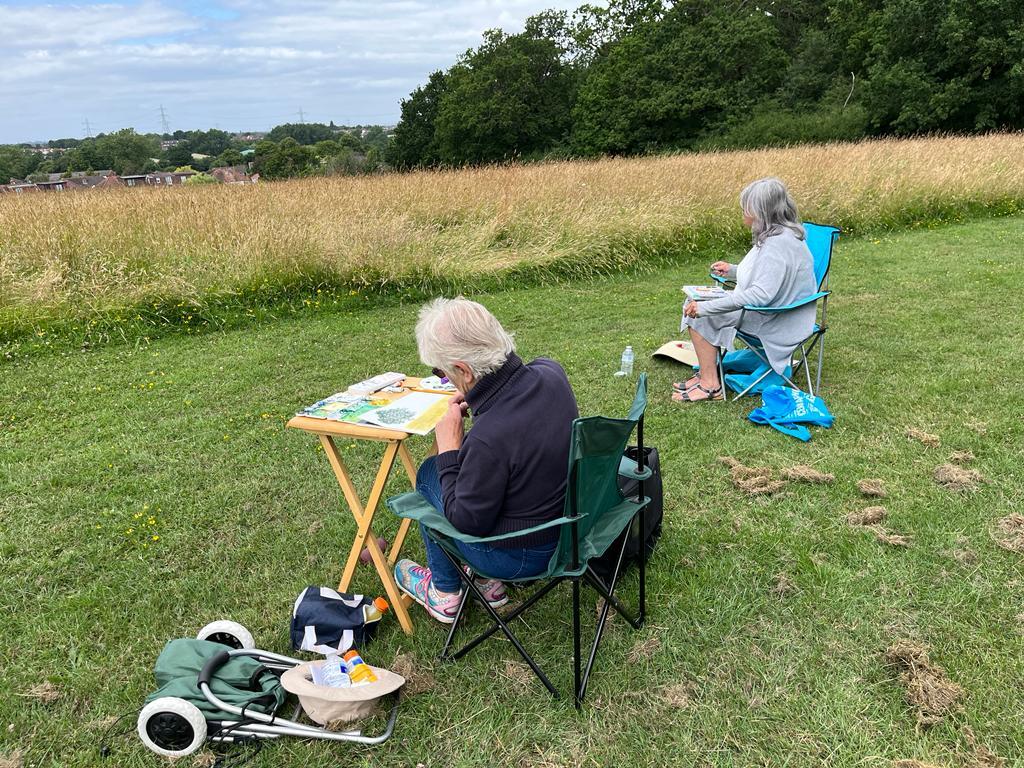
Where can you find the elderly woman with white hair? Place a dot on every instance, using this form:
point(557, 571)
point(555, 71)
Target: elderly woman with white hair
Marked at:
point(507, 473)
point(776, 271)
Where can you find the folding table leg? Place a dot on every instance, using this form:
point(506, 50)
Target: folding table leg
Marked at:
point(403, 527)
point(363, 516)
point(407, 462)
point(399, 602)
point(365, 536)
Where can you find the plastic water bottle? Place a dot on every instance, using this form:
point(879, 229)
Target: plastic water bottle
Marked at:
point(333, 673)
point(626, 367)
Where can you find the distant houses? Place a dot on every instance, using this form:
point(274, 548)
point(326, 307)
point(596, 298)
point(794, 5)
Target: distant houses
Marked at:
point(56, 182)
point(234, 174)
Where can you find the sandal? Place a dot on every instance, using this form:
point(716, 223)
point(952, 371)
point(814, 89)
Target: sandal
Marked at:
point(710, 394)
point(688, 384)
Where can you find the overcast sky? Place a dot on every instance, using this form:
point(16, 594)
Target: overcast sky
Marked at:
point(231, 64)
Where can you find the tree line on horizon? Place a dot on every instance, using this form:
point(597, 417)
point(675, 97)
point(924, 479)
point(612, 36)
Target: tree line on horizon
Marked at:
point(642, 76)
point(289, 150)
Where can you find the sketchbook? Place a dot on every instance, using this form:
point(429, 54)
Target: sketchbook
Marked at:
point(704, 292)
point(414, 412)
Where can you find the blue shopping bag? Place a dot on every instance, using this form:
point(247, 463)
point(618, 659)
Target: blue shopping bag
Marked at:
point(787, 410)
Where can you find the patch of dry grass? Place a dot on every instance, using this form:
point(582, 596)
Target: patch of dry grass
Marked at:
point(753, 481)
point(981, 756)
point(964, 554)
point(932, 694)
point(517, 674)
point(77, 251)
point(867, 516)
point(1010, 534)
point(801, 473)
point(419, 677)
point(644, 649)
point(783, 585)
point(760, 485)
point(925, 438)
point(872, 488)
point(890, 538)
point(954, 478)
point(678, 695)
point(45, 692)
point(871, 518)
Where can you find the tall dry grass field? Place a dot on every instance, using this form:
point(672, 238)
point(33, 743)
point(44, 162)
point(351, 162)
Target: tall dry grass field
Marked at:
point(72, 254)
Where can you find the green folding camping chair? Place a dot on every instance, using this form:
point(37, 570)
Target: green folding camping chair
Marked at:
point(595, 514)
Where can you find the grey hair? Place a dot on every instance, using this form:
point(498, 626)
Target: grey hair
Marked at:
point(458, 330)
point(769, 204)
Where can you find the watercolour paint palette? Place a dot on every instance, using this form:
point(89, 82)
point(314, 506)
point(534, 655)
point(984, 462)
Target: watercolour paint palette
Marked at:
point(434, 384)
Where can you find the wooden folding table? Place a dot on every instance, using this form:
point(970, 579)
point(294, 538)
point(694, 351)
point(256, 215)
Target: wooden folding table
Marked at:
point(394, 448)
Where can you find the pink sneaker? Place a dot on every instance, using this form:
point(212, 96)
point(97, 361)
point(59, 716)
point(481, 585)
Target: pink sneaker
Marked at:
point(415, 581)
point(492, 589)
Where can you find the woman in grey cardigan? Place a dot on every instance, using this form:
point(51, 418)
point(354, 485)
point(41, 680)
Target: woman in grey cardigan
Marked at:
point(778, 270)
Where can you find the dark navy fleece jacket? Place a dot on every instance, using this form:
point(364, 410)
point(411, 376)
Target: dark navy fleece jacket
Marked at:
point(510, 472)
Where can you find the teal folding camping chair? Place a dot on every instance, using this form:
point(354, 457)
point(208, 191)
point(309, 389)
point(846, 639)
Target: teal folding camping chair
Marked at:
point(820, 241)
point(595, 514)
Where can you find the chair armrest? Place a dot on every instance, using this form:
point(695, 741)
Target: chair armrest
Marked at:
point(787, 307)
point(413, 506)
point(628, 468)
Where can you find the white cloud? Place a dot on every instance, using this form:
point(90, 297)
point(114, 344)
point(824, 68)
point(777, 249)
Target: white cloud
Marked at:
point(41, 26)
point(245, 64)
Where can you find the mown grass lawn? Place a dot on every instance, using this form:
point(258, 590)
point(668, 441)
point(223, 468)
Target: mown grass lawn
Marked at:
point(145, 491)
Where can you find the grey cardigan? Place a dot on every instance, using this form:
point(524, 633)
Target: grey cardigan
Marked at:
point(776, 273)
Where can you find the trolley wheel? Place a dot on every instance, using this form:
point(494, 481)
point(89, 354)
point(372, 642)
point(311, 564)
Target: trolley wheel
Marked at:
point(172, 727)
point(229, 633)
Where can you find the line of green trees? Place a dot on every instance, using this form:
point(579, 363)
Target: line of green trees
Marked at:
point(315, 149)
point(299, 149)
point(652, 75)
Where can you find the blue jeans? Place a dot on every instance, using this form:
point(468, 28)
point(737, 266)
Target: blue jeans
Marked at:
point(497, 562)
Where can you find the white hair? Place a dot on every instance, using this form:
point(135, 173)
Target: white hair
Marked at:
point(769, 204)
point(458, 330)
